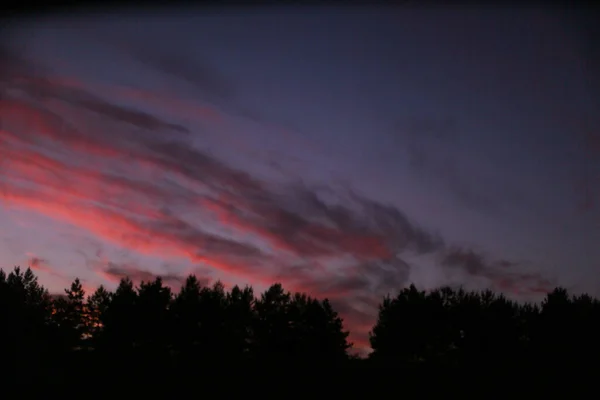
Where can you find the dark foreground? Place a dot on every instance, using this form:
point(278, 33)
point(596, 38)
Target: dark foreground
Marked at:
point(207, 338)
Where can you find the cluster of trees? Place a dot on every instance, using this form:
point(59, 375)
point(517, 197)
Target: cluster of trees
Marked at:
point(152, 331)
point(473, 330)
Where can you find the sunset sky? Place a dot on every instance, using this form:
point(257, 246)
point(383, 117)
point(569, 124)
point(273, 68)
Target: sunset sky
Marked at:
point(345, 153)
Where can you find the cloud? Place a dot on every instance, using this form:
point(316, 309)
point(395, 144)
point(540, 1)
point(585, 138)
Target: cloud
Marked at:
point(435, 147)
point(39, 264)
point(136, 180)
point(207, 83)
point(430, 144)
point(501, 274)
point(115, 272)
point(44, 90)
point(200, 74)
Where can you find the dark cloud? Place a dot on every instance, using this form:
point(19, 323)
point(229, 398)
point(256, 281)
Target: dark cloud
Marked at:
point(20, 74)
point(38, 263)
point(208, 245)
point(195, 165)
point(506, 264)
point(433, 146)
point(116, 272)
point(137, 118)
point(363, 280)
point(14, 63)
point(204, 77)
point(501, 274)
point(470, 261)
point(205, 80)
point(41, 264)
point(444, 128)
point(46, 89)
point(430, 144)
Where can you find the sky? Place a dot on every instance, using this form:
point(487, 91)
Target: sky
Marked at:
point(342, 152)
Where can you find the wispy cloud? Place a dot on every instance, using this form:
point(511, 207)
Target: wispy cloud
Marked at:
point(115, 272)
point(501, 274)
point(136, 180)
point(39, 264)
point(435, 150)
point(207, 79)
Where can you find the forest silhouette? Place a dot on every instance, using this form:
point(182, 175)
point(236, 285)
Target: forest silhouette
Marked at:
point(148, 332)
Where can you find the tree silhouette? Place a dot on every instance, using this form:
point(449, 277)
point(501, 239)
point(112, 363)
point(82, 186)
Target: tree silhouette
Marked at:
point(146, 334)
point(153, 318)
point(238, 323)
point(317, 331)
point(152, 332)
point(120, 320)
point(412, 328)
point(187, 322)
point(475, 330)
point(212, 323)
point(97, 305)
point(71, 317)
point(25, 315)
point(298, 328)
point(272, 329)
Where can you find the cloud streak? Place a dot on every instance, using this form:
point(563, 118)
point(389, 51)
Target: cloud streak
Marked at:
point(39, 264)
point(501, 273)
point(114, 272)
point(135, 179)
point(204, 77)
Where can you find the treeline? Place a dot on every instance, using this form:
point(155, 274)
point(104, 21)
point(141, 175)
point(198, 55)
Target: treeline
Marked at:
point(148, 331)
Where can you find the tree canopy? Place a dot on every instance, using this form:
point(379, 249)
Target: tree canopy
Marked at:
point(152, 331)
